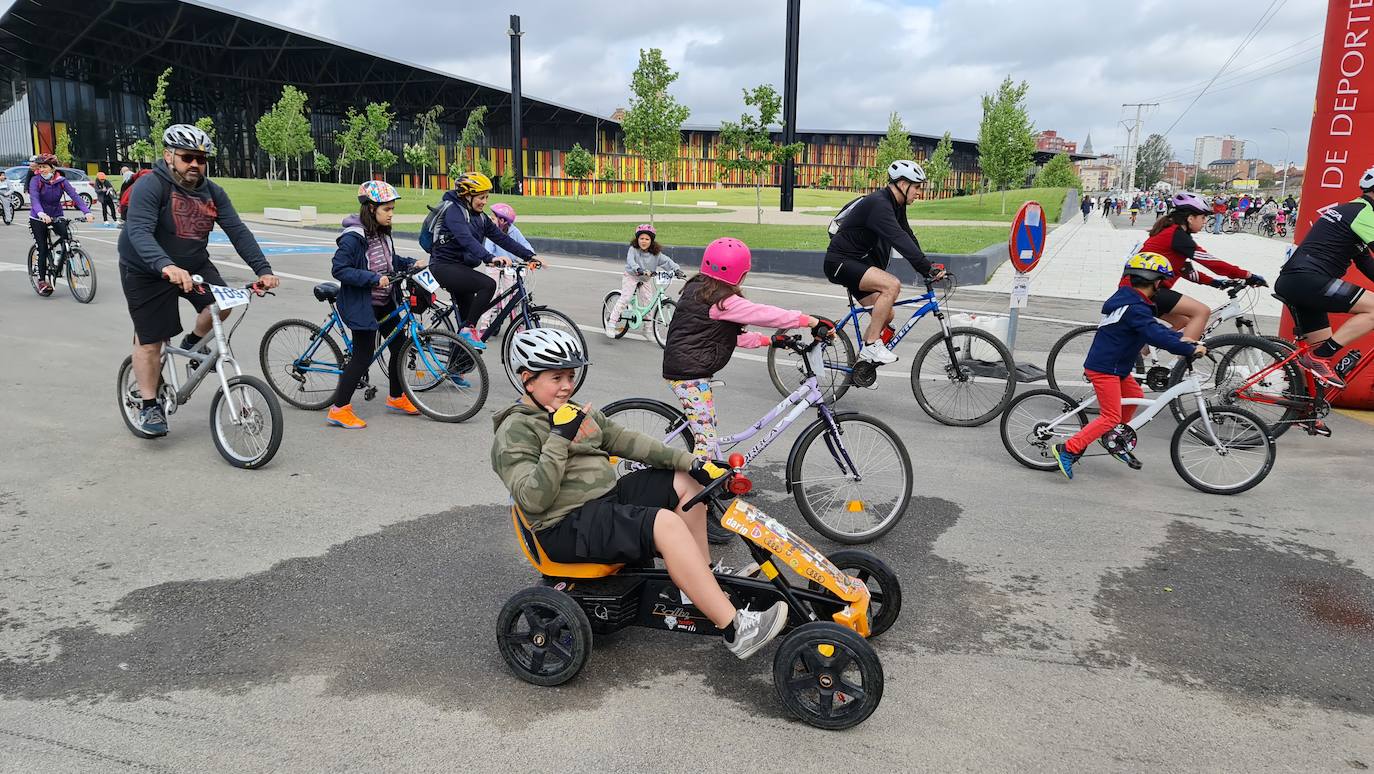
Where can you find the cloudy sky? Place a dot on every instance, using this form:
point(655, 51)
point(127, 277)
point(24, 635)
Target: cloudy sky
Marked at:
point(929, 60)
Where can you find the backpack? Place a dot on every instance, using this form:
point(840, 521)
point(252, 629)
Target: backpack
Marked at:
point(429, 232)
point(124, 193)
point(838, 221)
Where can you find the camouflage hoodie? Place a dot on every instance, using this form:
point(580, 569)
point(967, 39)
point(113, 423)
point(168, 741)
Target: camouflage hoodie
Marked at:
point(548, 476)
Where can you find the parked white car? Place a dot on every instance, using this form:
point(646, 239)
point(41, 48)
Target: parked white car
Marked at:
point(80, 181)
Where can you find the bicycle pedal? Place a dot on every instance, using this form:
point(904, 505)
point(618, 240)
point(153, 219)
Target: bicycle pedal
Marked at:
point(1317, 428)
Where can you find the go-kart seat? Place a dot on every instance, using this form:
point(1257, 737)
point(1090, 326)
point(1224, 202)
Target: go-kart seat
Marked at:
point(326, 291)
point(534, 553)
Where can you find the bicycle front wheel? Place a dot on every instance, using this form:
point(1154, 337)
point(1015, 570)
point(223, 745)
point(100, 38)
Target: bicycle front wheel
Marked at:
point(1240, 457)
point(608, 304)
point(1064, 365)
point(301, 363)
point(662, 319)
point(444, 377)
point(32, 265)
point(246, 422)
point(653, 418)
point(854, 486)
point(1034, 422)
point(970, 389)
point(1280, 398)
point(542, 317)
point(787, 369)
point(81, 276)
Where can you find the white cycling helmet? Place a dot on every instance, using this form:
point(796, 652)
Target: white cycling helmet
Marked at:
point(546, 349)
point(904, 169)
point(188, 137)
point(1367, 180)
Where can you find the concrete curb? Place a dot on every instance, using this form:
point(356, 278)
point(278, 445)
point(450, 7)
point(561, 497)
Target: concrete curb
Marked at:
point(1070, 206)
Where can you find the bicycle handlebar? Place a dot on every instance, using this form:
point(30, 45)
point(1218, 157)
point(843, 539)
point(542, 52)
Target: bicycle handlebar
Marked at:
point(736, 462)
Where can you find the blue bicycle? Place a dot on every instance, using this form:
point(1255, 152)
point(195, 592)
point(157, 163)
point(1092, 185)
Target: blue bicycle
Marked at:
point(442, 375)
point(960, 376)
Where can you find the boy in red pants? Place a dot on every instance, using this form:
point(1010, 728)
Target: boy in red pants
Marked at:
point(1128, 323)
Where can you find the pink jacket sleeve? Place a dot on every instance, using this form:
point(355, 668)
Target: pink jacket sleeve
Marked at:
point(738, 309)
point(751, 340)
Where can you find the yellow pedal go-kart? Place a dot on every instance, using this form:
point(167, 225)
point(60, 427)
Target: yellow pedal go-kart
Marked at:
point(825, 671)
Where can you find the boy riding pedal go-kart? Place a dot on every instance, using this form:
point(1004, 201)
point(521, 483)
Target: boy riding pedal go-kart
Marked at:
point(594, 538)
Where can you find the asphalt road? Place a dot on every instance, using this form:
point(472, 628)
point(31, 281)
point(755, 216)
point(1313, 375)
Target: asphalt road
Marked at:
point(162, 611)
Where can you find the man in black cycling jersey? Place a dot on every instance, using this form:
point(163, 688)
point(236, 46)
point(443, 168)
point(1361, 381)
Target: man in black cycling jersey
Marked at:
point(865, 236)
point(1311, 282)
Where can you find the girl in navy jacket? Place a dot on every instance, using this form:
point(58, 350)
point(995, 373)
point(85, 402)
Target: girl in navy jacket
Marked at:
point(365, 256)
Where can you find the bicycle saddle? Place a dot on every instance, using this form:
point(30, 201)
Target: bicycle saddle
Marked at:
point(326, 291)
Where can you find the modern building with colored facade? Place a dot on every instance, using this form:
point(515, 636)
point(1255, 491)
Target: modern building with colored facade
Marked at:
point(88, 89)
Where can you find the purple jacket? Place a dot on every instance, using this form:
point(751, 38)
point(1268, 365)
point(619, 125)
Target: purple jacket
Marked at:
point(46, 196)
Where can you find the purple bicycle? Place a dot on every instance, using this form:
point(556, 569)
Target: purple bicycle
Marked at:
point(852, 487)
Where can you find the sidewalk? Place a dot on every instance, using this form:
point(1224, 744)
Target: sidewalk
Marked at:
point(1084, 260)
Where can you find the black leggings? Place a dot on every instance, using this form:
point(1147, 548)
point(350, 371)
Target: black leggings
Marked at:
point(472, 290)
point(107, 209)
point(40, 238)
point(364, 344)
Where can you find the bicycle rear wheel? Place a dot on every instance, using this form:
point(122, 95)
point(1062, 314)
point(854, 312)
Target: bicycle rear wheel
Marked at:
point(1241, 457)
point(131, 398)
point(81, 276)
point(301, 363)
point(786, 368)
point(1028, 427)
point(541, 317)
point(1064, 365)
point(252, 440)
point(969, 390)
point(444, 377)
point(856, 485)
point(662, 319)
point(1231, 360)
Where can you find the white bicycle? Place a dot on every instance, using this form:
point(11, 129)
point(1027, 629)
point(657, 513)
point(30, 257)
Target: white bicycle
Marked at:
point(1218, 450)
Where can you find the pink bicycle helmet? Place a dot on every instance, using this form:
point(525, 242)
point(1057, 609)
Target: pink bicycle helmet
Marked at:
point(504, 212)
point(646, 228)
point(726, 259)
point(1186, 201)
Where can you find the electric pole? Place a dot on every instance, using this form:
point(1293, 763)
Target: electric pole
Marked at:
point(789, 102)
point(1133, 140)
point(517, 137)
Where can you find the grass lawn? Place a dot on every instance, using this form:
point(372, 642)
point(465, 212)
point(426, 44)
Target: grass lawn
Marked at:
point(740, 197)
point(823, 202)
point(254, 195)
point(935, 239)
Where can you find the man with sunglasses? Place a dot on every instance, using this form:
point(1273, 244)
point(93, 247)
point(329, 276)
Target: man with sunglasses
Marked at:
point(172, 211)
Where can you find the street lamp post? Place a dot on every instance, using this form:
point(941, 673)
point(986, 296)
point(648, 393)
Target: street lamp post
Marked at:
point(1287, 145)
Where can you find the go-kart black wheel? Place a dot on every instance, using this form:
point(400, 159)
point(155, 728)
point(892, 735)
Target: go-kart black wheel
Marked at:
point(716, 534)
point(827, 675)
point(884, 590)
point(544, 636)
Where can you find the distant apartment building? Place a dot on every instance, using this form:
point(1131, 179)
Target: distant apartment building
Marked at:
point(1211, 148)
point(1100, 174)
point(1050, 141)
point(1178, 174)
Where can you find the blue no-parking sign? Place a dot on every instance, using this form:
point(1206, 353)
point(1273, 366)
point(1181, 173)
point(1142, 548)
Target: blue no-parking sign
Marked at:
point(1027, 241)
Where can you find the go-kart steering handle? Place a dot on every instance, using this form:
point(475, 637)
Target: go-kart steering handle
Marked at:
point(735, 479)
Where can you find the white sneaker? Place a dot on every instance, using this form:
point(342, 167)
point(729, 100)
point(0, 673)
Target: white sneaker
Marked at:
point(754, 630)
point(877, 353)
point(609, 329)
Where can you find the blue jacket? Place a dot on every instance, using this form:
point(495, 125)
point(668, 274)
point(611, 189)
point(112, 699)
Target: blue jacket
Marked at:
point(356, 280)
point(1128, 323)
point(460, 237)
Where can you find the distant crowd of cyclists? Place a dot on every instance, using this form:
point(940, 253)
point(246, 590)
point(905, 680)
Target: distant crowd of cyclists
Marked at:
point(1265, 215)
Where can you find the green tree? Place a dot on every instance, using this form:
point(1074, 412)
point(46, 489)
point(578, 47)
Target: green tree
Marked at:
point(894, 146)
point(473, 132)
point(825, 180)
point(323, 166)
point(508, 180)
point(653, 123)
point(747, 146)
point(63, 149)
point(938, 167)
point(377, 121)
point(159, 118)
point(350, 142)
point(142, 151)
point(271, 135)
point(578, 164)
point(296, 125)
point(1058, 172)
point(1150, 161)
point(426, 151)
point(206, 124)
point(1006, 137)
point(485, 166)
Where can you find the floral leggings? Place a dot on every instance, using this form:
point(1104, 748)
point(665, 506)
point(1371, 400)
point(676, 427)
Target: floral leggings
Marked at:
point(700, 407)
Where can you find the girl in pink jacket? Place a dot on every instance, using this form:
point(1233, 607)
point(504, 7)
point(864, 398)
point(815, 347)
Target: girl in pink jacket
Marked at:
point(706, 328)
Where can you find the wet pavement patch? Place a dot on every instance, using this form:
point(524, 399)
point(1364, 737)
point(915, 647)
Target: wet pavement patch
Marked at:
point(1265, 619)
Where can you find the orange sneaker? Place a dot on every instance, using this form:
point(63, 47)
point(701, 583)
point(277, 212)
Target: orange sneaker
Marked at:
point(345, 418)
point(403, 405)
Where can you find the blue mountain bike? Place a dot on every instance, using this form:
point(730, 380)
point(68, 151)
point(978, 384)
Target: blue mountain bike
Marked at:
point(960, 376)
point(441, 374)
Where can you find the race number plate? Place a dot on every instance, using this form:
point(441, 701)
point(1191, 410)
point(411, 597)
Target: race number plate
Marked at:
point(427, 281)
point(663, 279)
point(228, 298)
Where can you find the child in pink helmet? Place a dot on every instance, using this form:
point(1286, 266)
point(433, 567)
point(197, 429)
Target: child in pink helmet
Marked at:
point(706, 328)
point(504, 216)
point(644, 257)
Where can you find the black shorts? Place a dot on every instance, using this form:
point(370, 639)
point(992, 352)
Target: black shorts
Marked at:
point(153, 301)
point(847, 273)
point(617, 527)
point(1311, 296)
point(1165, 300)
